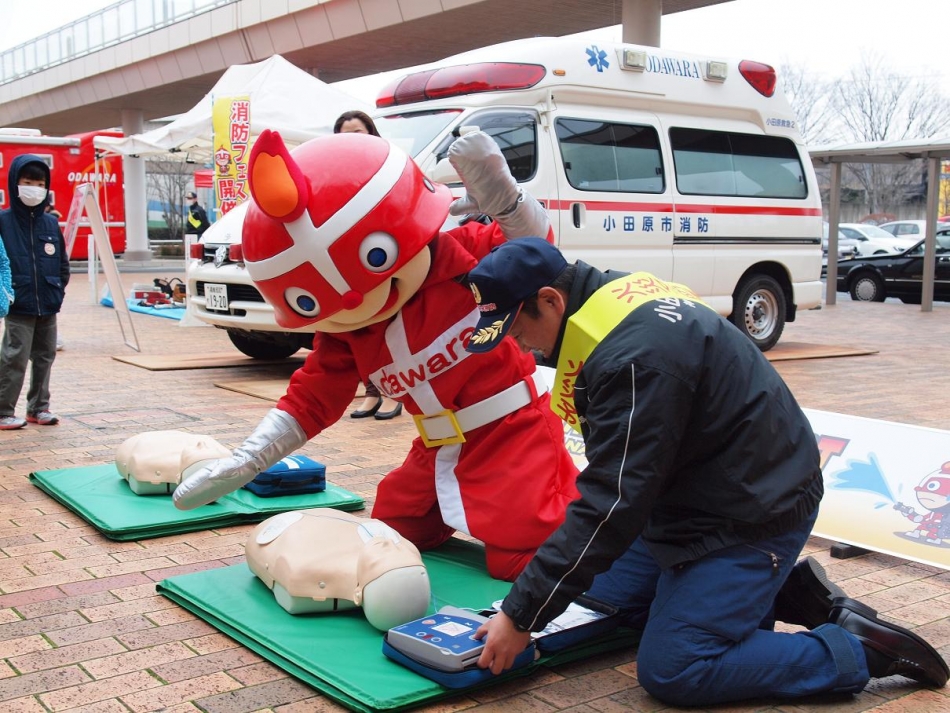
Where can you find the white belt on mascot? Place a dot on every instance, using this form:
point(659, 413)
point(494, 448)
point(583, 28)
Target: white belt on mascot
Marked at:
point(344, 235)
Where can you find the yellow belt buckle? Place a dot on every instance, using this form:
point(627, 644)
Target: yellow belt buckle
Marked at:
point(459, 436)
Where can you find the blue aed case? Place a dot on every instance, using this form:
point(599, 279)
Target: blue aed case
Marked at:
point(293, 475)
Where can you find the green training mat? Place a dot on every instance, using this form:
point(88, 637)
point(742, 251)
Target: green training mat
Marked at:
point(339, 653)
point(103, 498)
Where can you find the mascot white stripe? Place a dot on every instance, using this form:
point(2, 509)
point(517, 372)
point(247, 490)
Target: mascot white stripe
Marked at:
point(447, 457)
point(312, 244)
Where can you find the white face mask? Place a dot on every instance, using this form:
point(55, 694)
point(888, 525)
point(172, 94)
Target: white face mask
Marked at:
point(31, 195)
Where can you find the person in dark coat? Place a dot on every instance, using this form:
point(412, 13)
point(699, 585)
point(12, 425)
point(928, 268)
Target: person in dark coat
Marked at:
point(198, 221)
point(702, 486)
point(39, 266)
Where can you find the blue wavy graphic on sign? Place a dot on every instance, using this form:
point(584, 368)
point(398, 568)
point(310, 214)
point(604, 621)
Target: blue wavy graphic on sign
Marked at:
point(865, 476)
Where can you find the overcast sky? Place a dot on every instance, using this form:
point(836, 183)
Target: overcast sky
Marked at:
point(826, 36)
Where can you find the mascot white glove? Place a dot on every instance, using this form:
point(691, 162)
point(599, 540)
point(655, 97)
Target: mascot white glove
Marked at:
point(277, 436)
point(491, 189)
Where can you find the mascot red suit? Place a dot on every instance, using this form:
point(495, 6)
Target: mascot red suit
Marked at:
point(344, 234)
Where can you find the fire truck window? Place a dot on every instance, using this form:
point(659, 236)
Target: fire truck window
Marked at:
point(720, 163)
point(603, 156)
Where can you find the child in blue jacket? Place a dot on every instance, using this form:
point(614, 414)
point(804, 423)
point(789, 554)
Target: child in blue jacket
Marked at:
point(39, 268)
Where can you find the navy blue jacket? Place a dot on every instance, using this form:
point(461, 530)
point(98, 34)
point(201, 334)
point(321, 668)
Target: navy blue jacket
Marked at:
point(693, 443)
point(36, 248)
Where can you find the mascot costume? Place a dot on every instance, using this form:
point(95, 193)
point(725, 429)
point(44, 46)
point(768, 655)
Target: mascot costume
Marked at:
point(344, 235)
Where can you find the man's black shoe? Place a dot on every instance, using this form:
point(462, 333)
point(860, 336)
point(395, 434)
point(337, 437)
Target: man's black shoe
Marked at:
point(806, 597)
point(890, 649)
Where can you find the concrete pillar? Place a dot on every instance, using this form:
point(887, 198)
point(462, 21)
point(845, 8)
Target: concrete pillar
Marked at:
point(834, 213)
point(136, 203)
point(641, 22)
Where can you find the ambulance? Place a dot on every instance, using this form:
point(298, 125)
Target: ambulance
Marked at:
point(688, 167)
point(72, 161)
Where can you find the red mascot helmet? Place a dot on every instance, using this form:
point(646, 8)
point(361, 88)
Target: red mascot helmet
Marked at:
point(332, 220)
point(938, 483)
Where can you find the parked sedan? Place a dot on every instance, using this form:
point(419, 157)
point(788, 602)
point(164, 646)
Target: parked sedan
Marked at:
point(847, 247)
point(872, 240)
point(877, 277)
point(913, 229)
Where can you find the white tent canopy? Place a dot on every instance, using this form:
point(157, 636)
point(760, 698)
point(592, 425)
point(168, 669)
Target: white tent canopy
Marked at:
point(283, 98)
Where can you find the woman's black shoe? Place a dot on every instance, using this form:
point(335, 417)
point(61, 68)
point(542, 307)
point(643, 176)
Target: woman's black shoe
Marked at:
point(386, 415)
point(368, 412)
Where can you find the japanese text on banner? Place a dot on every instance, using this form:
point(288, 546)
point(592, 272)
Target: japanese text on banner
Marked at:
point(231, 122)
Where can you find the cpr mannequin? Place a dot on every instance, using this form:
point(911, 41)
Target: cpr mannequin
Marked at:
point(324, 561)
point(155, 462)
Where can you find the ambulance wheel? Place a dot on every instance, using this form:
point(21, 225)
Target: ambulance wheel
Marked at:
point(264, 345)
point(758, 310)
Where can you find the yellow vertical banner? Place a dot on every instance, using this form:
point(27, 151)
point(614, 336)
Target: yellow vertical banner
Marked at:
point(231, 123)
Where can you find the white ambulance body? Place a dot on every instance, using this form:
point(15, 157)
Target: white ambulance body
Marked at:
point(688, 167)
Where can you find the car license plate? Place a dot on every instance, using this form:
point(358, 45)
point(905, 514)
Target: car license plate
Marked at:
point(216, 297)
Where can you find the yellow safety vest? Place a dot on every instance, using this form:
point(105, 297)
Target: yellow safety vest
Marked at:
point(597, 317)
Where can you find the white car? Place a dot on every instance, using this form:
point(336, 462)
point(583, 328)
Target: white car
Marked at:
point(872, 240)
point(913, 229)
point(221, 293)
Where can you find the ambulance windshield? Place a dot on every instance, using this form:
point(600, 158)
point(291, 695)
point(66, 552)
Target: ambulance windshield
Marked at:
point(413, 132)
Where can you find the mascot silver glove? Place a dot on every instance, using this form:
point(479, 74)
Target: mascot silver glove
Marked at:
point(277, 436)
point(491, 189)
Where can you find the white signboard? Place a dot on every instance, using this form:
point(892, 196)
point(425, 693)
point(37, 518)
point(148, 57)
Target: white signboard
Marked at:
point(887, 486)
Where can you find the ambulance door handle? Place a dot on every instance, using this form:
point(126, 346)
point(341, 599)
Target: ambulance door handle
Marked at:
point(578, 213)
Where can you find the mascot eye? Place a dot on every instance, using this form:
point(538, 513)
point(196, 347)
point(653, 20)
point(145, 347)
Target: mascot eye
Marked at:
point(933, 485)
point(302, 302)
point(378, 252)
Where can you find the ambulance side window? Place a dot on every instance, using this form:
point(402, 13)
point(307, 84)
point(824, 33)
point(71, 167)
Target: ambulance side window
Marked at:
point(515, 132)
point(720, 163)
point(604, 156)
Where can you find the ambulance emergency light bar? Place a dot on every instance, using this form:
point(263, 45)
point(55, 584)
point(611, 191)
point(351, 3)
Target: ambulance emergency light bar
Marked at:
point(459, 80)
point(465, 79)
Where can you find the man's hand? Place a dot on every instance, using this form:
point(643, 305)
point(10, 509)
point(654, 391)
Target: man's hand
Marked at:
point(503, 643)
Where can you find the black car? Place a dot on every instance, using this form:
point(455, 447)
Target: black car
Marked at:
point(877, 277)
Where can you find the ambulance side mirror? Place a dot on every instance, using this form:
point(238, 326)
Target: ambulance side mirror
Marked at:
point(443, 172)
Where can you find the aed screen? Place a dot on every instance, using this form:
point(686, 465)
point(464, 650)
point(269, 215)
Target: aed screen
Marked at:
point(452, 628)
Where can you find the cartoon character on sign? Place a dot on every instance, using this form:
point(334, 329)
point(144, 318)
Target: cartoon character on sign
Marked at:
point(344, 236)
point(933, 495)
point(222, 159)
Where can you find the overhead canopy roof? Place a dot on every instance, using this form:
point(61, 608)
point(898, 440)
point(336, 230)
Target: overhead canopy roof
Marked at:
point(933, 150)
point(881, 151)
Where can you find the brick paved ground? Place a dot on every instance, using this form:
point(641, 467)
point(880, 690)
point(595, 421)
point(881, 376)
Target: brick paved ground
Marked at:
point(82, 629)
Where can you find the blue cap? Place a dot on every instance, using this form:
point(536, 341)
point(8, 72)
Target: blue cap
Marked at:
point(508, 275)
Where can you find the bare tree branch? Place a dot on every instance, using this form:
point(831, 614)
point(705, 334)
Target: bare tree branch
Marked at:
point(168, 179)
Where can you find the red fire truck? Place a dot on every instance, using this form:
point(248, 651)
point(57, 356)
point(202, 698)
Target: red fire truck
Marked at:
point(72, 161)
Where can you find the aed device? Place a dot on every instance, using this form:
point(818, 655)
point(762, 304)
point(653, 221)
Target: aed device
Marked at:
point(442, 646)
